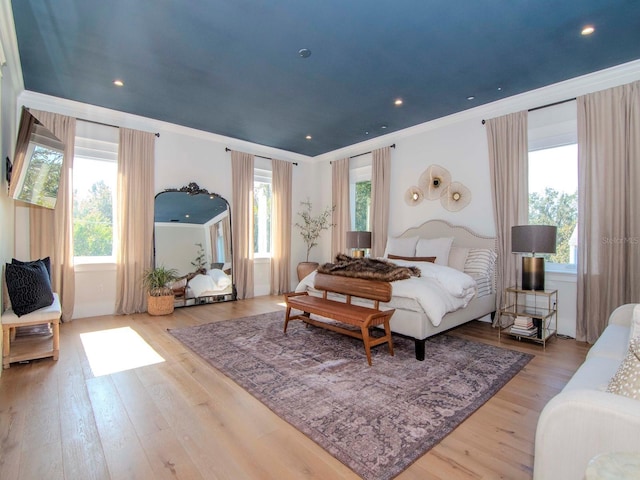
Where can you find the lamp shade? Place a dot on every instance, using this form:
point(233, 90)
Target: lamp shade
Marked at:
point(533, 239)
point(359, 240)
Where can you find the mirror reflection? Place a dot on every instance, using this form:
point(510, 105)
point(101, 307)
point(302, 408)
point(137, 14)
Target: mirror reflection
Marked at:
point(192, 234)
point(37, 163)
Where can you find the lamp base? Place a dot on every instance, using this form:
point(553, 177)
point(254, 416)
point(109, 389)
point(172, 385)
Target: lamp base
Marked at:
point(532, 273)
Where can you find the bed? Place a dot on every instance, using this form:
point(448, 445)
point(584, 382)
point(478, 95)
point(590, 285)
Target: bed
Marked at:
point(456, 247)
point(207, 286)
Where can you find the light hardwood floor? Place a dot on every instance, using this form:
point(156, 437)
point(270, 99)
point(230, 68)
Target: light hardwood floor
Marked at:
point(181, 419)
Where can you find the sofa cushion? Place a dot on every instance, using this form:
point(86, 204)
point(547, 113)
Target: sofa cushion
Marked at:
point(612, 343)
point(626, 381)
point(594, 374)
point(635, 323)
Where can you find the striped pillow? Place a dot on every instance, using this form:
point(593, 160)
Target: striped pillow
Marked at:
point(480, 261)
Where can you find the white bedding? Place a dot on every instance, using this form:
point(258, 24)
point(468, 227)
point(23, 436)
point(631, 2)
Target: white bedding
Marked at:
point(438, 291)
point(215, 282)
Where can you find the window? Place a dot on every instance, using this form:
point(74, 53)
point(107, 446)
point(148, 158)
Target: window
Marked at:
point(360, 197)
point(553, 178)
point(262, 213)
point(95, 172)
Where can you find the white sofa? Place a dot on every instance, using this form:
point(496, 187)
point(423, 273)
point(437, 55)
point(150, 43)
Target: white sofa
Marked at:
point(584, 420)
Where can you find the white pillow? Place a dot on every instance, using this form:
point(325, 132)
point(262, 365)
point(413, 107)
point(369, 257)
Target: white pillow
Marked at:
point(405, 247)
point(458, 257)
point(435, 247)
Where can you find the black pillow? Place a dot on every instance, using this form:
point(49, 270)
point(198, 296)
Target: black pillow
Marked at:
point(45, 260)
point(29, 286)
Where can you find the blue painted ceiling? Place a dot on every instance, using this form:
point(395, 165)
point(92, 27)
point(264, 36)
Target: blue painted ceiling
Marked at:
point(232, 67)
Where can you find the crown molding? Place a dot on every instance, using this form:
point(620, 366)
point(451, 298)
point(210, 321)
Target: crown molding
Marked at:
point(128, 120)
point(592, 82)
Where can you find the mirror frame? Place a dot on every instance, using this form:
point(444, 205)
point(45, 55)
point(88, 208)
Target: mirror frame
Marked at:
point(193, 189)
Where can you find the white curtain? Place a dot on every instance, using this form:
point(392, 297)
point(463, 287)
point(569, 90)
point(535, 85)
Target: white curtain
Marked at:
point(508, 165)
point(341, 217)
point(281, 224)
point(242, 222)
point(608, 206)
point(134, 224)
point(51, 231)
point(380, 187)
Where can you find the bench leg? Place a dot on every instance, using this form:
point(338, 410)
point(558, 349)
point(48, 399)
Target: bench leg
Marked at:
point(387, 331)
point(6, 345)
point(366, 340)
point(56, 339)
point(286, 319)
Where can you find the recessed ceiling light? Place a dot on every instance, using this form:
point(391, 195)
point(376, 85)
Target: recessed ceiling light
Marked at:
point(398, 102)
point(308, 137)
point(587, 30)
point(367, 132)
point(187, 215)
point(499, 89)
point(304, 52)
point(118, 83)
point(471, 97)
point(383, 126)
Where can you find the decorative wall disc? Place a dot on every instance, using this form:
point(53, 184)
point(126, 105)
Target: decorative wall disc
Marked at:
point(433, 181)
point(456, 196)
point(413, 196)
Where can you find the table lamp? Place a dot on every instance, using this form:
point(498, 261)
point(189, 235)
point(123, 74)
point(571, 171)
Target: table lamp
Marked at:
point(358, 242)
point(533, 239)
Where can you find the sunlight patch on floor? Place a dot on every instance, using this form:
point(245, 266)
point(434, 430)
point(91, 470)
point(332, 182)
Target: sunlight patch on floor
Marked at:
point(117, 350)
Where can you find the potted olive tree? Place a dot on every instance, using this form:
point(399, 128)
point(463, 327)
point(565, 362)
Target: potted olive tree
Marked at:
point(160, 297)
point(310, 228)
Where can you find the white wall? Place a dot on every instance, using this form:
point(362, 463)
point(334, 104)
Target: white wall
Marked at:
point(183, 155)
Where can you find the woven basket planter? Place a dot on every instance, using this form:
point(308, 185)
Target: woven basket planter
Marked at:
point(160, 305)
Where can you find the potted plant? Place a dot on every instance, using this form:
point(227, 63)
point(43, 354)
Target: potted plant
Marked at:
point(310, 229)
point(159, 295)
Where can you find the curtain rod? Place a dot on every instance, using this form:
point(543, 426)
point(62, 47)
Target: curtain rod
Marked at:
point(157, 134)
point(545, 106)
point(227, 149)
point(366, 153)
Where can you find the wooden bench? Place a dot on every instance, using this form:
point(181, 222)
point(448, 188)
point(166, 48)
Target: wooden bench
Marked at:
point(345, 312)
point(34, 347)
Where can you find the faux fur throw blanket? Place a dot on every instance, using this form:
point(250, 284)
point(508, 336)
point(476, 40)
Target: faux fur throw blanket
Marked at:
point(369, 268)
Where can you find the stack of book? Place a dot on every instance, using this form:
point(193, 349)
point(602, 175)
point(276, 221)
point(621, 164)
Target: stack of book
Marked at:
point(523, 327)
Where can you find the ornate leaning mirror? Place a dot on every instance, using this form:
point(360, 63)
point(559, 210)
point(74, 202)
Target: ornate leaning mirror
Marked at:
point(192, 234)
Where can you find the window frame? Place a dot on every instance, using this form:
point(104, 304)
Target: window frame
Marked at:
point(360, 170)
point(97, 142)
point(263, 174)
point(552, 127)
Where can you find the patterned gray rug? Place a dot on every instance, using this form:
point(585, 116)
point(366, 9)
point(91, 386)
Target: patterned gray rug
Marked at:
point(376, 420)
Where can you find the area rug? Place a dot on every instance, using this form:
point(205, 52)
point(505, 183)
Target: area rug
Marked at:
point(376, 420)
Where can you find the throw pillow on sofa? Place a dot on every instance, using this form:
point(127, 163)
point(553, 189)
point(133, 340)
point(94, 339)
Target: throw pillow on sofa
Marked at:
point(626, 381)
point(29, 286)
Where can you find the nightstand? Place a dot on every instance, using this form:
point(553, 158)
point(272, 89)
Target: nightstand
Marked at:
point(529, 315)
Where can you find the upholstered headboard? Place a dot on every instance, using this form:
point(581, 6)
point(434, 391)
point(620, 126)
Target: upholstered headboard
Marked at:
point(463, 236)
